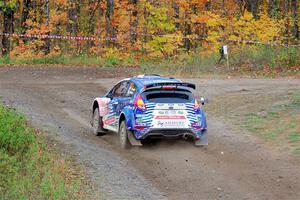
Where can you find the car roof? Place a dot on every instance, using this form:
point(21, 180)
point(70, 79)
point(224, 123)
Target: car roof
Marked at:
point(143, 80)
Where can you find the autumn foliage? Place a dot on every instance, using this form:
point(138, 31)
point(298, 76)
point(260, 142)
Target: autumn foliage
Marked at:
point(145, 28)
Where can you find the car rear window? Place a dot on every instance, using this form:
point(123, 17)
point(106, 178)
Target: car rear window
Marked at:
point(168, 96)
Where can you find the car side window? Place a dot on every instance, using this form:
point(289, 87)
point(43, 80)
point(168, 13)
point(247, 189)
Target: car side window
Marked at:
point(132, 89)
point(121, 89)
point(115, 90)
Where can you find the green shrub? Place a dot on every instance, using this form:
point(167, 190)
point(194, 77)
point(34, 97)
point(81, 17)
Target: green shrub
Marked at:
point(111, 61)
point(255, 57)
point(4, 60)
point(29, 169)
point(9, 168)
point(15, 136)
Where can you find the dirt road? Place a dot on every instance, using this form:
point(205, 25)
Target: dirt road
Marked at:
point(235, 165)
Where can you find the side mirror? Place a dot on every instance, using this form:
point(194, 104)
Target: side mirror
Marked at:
point(203, 100)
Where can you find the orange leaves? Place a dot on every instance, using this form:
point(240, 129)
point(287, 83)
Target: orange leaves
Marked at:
point(200, 3)
point(200, 19)
point(162, 28)
point(184, 4)
point(230, 7)
point(58, 18)
point(61, 2)
point(37, 28)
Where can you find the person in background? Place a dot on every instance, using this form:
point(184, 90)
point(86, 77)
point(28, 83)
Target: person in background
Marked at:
point(222, 55)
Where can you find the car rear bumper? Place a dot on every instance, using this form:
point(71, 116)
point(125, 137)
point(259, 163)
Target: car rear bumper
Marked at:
point(171, 133)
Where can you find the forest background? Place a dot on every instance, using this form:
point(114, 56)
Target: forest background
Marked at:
point(173, 36)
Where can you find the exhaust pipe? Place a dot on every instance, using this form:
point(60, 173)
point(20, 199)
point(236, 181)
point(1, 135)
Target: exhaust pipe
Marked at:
point(186, 136)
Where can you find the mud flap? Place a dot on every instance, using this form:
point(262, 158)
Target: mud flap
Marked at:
point(203, 140)
point(133, 141)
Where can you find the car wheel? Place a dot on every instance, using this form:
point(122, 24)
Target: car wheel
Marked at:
point(97, 123)
point(123, 136)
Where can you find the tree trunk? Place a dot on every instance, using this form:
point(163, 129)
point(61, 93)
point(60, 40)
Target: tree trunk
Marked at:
point(47, 15)
point(242, 6)
point(253, 7)
point(145, 27)
point(134, 22)
point(34, 10)
point(287, 23)
point(187, 31)
point(8, 28)
point(176, 15)
point(73, 11)
point(223, 8)
point(109, 13)
point(93, 6)
point(295, 28)
point(273, 8)
point(25, 15)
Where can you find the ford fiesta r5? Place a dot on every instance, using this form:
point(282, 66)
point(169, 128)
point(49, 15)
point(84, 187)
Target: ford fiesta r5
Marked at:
point(150, 106)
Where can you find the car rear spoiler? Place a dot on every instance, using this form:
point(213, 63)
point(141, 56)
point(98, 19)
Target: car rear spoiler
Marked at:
point(171, 84)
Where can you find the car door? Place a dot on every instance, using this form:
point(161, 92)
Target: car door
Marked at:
point(123, 99)
point(110, 119)
point(126, 96)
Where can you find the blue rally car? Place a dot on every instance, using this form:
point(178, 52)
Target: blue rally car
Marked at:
point(150, 106)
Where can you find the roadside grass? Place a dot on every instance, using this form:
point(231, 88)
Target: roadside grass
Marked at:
point(265, 58)
point(63, 60)
point(255, 61)
point(274, 117)
point(193, 64)
point(279, 124)
point(30, 167)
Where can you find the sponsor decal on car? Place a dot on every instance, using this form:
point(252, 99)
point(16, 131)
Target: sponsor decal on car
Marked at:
point(109, 120)
point(170, 117)
point(169, 112)
point(103, 106)
point(170, 124)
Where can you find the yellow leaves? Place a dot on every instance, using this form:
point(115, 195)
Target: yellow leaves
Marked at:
point(214, 20)
point(58, 18)
point(247, 17)
point(242, 29)
point(164, 45)
point(264, 29)
point(159, 25)
point(269, 29)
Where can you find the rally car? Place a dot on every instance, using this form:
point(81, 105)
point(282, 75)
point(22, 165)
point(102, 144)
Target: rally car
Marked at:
point(150, 106)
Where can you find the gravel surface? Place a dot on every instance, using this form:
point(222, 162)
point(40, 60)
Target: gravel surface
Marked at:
point(235, 165)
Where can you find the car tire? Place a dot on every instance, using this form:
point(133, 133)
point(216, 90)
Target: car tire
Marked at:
point(123, 136)
point(97, 121)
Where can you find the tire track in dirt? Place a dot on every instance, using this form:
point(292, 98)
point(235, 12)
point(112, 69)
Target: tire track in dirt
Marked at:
point(60, 101)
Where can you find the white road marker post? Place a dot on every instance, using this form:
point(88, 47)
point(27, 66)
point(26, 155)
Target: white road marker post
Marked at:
point(225, 50)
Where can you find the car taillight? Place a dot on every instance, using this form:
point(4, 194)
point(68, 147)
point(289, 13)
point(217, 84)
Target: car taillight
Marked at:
point(196, 106)
point(139, 103)
point(168, 87)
